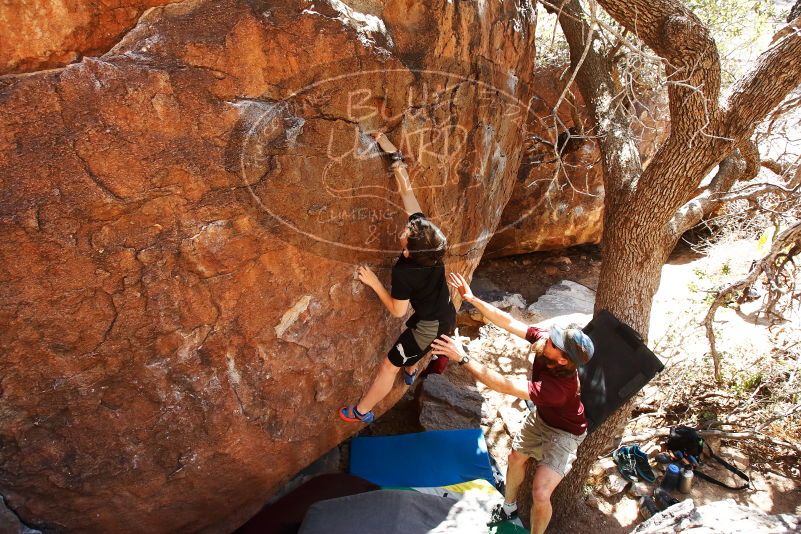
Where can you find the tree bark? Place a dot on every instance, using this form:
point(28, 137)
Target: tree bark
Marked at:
point(795, 12)
point(742, 164)
point(622, 167)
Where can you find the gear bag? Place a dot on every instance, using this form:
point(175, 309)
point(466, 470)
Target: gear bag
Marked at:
point(686, 440)
point(689, 442)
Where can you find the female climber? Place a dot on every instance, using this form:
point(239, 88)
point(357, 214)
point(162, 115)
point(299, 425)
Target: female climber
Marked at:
point(418, 276)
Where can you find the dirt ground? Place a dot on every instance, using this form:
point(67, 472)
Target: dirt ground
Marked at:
point(673, 398)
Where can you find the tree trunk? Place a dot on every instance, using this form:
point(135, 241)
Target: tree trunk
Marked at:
point(631, 268)
point(641, 225)
point(629, 278)
point(611, 121)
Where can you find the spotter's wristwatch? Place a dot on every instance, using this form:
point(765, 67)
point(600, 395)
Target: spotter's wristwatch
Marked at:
point(464, 360)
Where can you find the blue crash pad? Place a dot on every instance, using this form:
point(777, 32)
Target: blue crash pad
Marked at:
point(435, 458)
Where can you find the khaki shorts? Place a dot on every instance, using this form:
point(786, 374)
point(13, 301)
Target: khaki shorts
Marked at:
point(547, 445)
point(413, 344)
point(425, 332)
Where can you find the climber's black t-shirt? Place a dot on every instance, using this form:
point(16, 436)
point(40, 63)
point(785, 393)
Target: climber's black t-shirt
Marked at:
point(424, 286)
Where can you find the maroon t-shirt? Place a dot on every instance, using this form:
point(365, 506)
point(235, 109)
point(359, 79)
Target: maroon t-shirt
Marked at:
point(558, 398)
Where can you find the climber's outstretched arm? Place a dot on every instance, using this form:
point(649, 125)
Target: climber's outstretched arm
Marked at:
point(410, 203)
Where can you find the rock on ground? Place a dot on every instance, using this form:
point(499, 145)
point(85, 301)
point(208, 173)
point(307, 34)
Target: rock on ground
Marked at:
point(513, 303)
point(180, 221)
point(444, 406)
point(722, 517)
point(565, 302)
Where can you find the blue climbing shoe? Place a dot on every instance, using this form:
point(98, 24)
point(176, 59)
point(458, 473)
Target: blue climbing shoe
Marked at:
point(408, 379)
point(352, 415)
point(625, 463)
point(641, 464)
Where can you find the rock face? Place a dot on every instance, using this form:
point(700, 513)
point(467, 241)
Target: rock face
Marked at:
point(721, 517)
point(47, 33)
point(557, 204)
point(10, 523)
point(180, 221)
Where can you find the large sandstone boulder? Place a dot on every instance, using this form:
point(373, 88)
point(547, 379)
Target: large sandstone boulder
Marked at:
point(50, 33)
point(558, 202)
point(180, 221)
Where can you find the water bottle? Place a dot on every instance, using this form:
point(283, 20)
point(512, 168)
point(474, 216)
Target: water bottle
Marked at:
point(686, 482)
point(671, 479)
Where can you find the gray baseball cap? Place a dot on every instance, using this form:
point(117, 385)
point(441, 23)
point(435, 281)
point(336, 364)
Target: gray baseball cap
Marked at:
point(573, 342)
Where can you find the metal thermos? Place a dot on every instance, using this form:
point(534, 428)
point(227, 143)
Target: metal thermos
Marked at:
point(686, 481)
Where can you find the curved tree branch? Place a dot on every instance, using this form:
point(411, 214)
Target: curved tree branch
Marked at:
point(691, 57)
point(740, 165)
point(754, 191)
point(776, 73)
point(693, 66)
point(692, 212)
point(773, 166)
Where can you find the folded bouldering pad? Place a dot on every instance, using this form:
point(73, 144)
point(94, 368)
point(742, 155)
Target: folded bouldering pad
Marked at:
point(621, 366)
point(457, 491)
point(424, 459)
point(477, 497)
point(401, 512)
point(384, 511)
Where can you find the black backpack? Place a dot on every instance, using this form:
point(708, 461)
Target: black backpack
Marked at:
point(689, 442)
point(686, 440)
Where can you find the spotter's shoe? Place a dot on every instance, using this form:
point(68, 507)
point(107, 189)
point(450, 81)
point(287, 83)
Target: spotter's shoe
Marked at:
point(499, 515)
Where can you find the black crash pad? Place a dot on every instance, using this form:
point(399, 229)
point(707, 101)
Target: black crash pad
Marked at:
point(621, 365)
